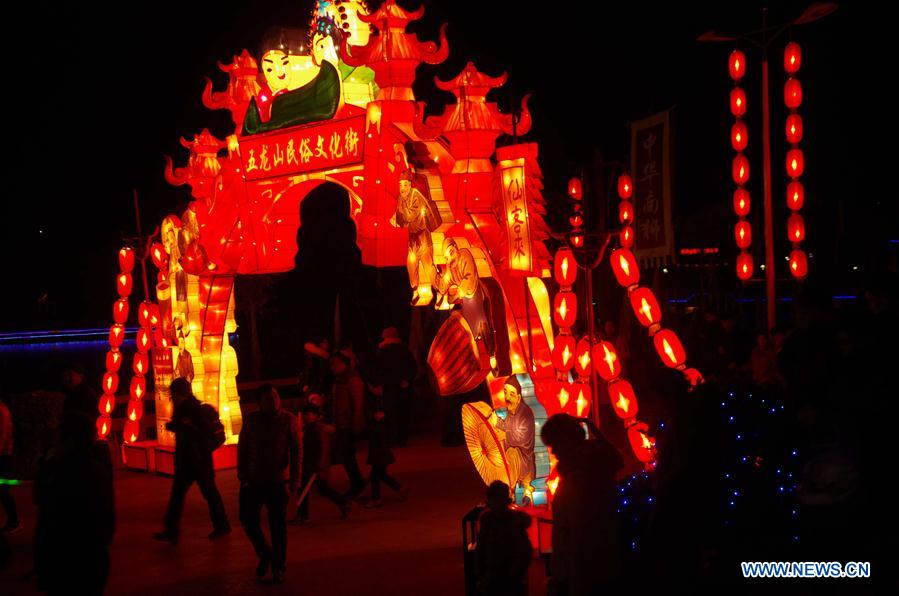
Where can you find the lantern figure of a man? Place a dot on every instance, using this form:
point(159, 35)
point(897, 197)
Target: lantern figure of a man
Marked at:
point(516, 421)
point(459, 283)
point(420, 217)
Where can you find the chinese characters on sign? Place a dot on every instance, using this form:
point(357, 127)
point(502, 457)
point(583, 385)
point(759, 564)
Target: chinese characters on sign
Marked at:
point(305, 149)
point(515, 203)
point(650, 161)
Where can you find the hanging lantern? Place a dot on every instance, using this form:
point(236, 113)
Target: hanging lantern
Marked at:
point(623, 399)
point(563, 395)
point(798, 263)
point(116, 335)
point(624, 266)
point(141, 363)
point(741, 202)
point(669, 348)
point(576, 239)
point(110, 382)
point(160, 340)
point(576, 220)
point(642, 444)
point(626, 237)
point(625, 186)
point(575, 189)
point(563, 353)
point(144, 340)
point(740, 169)
point(120, 311)
point(565, 309)
point(143, 314)
point(126, 259)
point(744, 266)
point(795, 228)
point(138, 387)
point(107, 404)
point(113, 360)
point(646, 307)
point(736, 64)
point(605, 359)
point(743, 234)
point(552, 482)
point(159, 256)
point(123, 284)
point(135, 409)
point(694, 377)
point(154, 317)
point(795, 195)
point(737, 102)
point(792, 57)
point(794, 128)
point(793, 93)
point(132, 431)
point(625, 213)
point(795, 163)
point(565, 267)
point(582, 357)
point(739, 135)
point(581, 400)
point(104, 425)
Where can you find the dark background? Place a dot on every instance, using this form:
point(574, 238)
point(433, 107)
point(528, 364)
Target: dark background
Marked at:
point(100, 95)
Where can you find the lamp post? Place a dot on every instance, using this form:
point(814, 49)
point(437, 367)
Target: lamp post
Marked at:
point(762, 39)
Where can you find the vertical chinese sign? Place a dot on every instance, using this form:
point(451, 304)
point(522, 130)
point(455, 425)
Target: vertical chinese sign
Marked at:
point(651, 167)
point(516, 206)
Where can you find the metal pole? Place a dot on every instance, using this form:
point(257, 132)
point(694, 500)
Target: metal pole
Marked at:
point(769, 219)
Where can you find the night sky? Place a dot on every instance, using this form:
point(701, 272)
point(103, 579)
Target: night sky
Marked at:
point(108, 92)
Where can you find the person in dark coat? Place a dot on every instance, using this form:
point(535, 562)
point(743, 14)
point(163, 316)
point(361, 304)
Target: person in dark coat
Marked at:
point(79, 396)
point(504, 549)
point(396, 370)
point(268, 467)
point(73, 492)
point(191, 423)
point(585, 558)
point(380, 456)
point(317, 438)
point(316, 370)
point(348, 416)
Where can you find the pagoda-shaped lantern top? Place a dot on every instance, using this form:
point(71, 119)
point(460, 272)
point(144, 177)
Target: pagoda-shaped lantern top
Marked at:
point(202, 166)
point(242, 86)
point(393, 53)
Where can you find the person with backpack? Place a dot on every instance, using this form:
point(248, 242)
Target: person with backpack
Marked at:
point(504, 548)
point(198, 432)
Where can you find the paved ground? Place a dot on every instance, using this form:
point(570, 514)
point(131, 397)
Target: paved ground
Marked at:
point(404, 548)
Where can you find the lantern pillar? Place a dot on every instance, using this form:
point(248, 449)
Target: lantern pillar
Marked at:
point(769, 218)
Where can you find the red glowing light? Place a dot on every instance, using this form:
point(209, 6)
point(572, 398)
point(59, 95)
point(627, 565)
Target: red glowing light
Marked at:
point(646, 307)
point(625, 186)
point(624, 266)
point(625, 212)
point(740, 169)
point(792, 57)
point(565, 309)
point(669, 348)
point(794, 128)
point(563, 353)
point(575, 189)
point(741, 202)
point(795, 163)
point(736, 64)
point(798, 263)
point(623, 399)
point(582, 357)
point(123, 284)
point(126, 260)
point(120, 311)
point(795, 195)
point(793, 93)
point(565, 267)
point(626, 237)
point(795, 228)
point(737, 102)
point(744, 266)
point(739, 135)
point(743, 234)
point(606, 358)
point(113, 361)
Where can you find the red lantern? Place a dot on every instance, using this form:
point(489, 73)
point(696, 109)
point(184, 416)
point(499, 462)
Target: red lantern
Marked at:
point(120, 311)
point(669, 348)
point(626, 237)
point(623, 399)
point(107, 404)
point(138, 387)
point(582, 357)
point(744, 266)
point(642, 444)
point(565, 267)
point(739, 135)
point(563, 395)
point(575, 189)
point(798, 263)
point(795, 163)
point(795, 228)
point(625, 186)
point(694, 377)
point(605, 359)
point(793, 93)
point(792, 57)
point(794, 128)
point(143, 314)
point(743, 234)
point(110, 382)
point(625, 212)
point(737, 102)
point(565, 309)
point(646, 307)
point(159, 256)
point(154, 316)
point(135, 409)
point(132, 431)
point(162, 276)
point(160, 340)
point(577, 240)
point(144, 340)
point(736, 64)
point(581, 399)
point(741, 202)
point(104, 425)
point(625, 268)
point(123, 284)
point(113, 361)
point(795, 195)
point(576, 220)
point(126, 260)
point(563, 353)
point(116, 335)
point(141, 363)
point(740, 169)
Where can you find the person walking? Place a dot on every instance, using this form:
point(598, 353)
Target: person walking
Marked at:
point(317, 438)
point(6, 471)
point(198, 432)
point(268, 468)
point(348, 415)
point(503, 549)
point(380, 456)
point(396, 370)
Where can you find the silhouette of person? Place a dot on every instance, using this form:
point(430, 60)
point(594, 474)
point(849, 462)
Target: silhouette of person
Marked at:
point(504, 549)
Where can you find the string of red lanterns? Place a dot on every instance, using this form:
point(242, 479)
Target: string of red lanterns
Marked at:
point(739, 139)
point(798, 262)
point(626, 210)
